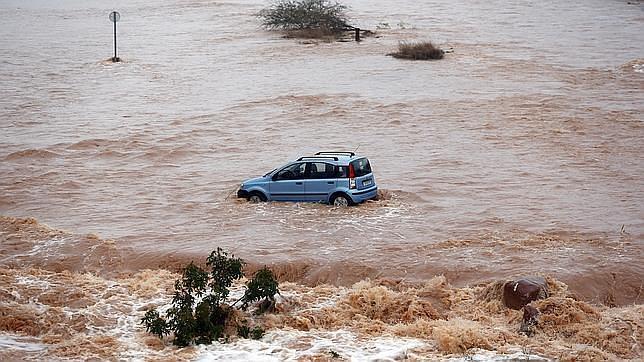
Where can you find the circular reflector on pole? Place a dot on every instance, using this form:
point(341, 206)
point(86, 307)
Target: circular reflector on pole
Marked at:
point(115, 16)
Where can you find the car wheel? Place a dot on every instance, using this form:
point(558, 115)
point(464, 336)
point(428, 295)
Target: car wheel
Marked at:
point(256, 197)
point(340, 201)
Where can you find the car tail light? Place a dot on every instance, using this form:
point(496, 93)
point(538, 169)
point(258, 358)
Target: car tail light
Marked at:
point(352, 177)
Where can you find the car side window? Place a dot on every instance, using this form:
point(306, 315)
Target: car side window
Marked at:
point(292, 172)
point(320, 170)
point(342, 171)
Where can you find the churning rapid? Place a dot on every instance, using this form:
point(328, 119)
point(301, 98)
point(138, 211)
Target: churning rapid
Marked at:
point(519, 153)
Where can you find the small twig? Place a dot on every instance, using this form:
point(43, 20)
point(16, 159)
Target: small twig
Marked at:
point(238, 300)
point(231, 192)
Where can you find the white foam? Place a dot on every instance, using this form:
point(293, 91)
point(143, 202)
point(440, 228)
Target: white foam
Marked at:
point(47, 244)
point(484, 355)
point(33, 282)
point(26, 344)
point(293, 344)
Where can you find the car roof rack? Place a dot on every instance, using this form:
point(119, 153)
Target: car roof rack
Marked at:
point(317, 158)
point(351, 154)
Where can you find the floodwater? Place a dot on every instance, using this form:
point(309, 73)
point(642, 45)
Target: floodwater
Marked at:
point(518, 153)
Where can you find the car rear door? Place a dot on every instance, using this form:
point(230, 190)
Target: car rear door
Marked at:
point(320, 181)
point(288, 183)
point(363, 177)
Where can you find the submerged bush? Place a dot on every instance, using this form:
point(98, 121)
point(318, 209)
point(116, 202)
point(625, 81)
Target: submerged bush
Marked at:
point(418, 51)
point(262, 286)
point(306, 16)
point(198, 313)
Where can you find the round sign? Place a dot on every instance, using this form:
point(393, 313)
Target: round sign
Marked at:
point(115, 16)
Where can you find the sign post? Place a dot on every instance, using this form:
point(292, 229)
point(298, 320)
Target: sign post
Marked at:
point(114, 17)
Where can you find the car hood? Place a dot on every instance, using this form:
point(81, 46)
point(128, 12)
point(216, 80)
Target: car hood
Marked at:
point(256, 180)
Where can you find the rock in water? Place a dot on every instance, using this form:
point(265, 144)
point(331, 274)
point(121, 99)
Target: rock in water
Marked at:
point(520, 292)
point(530, 315)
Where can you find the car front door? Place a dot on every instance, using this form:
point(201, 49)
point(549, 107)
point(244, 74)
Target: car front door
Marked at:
point(288, 183)
point(319, 182)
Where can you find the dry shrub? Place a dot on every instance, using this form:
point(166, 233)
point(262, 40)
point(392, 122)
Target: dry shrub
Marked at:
point(459, 335)
point(305, 15)
point(418, 51)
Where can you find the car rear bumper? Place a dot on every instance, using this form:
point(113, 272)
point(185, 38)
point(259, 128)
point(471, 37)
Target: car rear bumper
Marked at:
point(364, 195)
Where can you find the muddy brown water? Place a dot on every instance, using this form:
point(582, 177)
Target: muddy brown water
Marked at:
point(533, 125)
point(519, 153)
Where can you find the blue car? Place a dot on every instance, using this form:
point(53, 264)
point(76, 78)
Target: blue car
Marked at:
point(337, 178)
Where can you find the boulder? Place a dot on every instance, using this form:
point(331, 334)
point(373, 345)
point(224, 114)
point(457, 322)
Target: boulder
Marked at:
point(518, 293)
point(529, 322)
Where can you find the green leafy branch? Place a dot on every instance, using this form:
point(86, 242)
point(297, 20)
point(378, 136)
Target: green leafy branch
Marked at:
point(205, 322)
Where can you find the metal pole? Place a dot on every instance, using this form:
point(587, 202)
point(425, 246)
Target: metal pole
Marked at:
point(115, 57)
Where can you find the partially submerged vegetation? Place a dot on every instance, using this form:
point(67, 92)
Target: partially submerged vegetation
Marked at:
point(306, 18)
point(424, 50)
point(199, 313)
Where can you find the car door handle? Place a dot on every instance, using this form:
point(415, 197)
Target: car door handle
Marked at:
point(298, 183)
point(330, 182)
